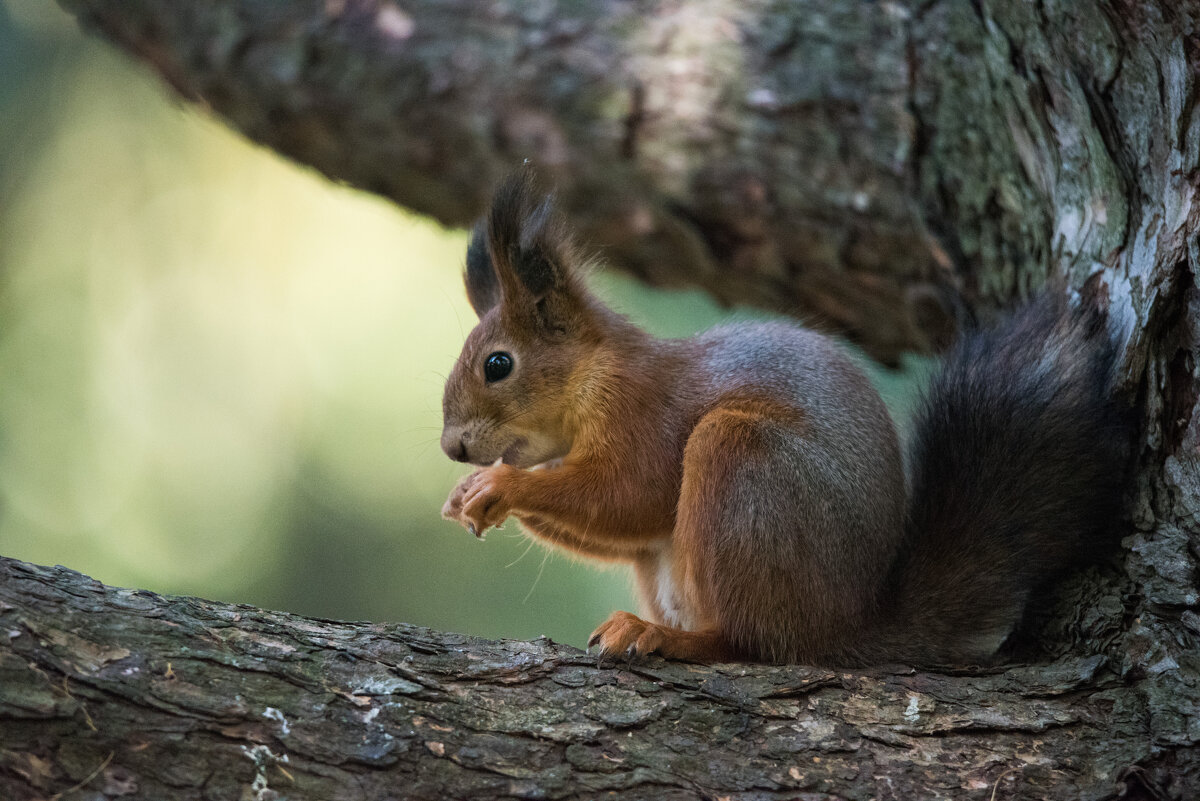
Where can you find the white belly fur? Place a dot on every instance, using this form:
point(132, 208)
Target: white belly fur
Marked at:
point(666, 594)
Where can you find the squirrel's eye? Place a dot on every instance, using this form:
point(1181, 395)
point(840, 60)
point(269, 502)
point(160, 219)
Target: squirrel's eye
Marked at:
point(497, 366)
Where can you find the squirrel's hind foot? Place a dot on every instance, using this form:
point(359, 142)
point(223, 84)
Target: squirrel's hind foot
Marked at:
point(627, 634)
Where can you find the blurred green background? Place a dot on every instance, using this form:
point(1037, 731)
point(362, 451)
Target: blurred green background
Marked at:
point(220, 374)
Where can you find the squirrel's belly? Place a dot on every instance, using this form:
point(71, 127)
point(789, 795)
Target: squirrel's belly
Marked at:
point(667, 594)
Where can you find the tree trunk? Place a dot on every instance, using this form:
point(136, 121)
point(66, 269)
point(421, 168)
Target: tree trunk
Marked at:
point(885, 168)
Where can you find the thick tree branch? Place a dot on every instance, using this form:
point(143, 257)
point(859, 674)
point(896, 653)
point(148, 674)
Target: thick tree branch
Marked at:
point(820, 157)
point(161, 697)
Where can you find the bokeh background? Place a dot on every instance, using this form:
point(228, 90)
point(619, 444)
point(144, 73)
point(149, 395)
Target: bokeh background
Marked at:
point(221, 374)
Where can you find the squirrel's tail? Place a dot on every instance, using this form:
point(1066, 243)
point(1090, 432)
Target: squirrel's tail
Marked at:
point(1017, 471)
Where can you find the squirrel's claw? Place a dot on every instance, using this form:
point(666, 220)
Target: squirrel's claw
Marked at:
point(475, 503)
point(485, 503)
point(626, 634)
point(453, 507)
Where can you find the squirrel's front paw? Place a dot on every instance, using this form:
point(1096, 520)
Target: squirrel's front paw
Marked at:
point(486, 500)
point(452, 509)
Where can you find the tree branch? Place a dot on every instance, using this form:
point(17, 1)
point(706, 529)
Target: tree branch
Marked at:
point(130, 693)
point(685, 140)
point(864, 165)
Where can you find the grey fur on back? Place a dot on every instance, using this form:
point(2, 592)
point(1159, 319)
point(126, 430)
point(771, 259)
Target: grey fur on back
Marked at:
point(811, 522)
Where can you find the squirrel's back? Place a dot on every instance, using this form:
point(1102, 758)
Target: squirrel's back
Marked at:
point(810, 481)
point(811, 371)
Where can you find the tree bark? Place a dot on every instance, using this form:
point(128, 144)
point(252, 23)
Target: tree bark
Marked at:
point(887, 168)
point(126, 693)
point(870, 166)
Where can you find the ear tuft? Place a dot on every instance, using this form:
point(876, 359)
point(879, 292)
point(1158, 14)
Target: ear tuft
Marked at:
point(483, 286)
point(534, 259)
point(530, 248)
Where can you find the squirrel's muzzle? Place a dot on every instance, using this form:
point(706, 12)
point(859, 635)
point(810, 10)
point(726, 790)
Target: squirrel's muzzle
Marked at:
point(453, 443)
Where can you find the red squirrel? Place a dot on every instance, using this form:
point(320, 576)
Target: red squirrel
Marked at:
point(752, 476)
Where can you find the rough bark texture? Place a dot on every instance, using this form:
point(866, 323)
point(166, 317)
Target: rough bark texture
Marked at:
point(885, 167)
point(130, 693)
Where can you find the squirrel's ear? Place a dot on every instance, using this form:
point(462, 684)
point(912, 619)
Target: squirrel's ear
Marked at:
point(530, 248)
point(483, 286)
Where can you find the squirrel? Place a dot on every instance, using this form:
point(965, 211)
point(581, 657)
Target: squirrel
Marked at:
point(752, 475)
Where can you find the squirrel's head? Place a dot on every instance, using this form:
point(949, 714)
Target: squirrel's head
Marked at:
point(512, 394)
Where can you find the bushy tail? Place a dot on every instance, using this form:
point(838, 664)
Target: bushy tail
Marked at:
point(1017, 470)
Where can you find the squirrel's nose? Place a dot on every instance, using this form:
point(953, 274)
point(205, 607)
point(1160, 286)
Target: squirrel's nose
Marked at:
point(454, 447)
